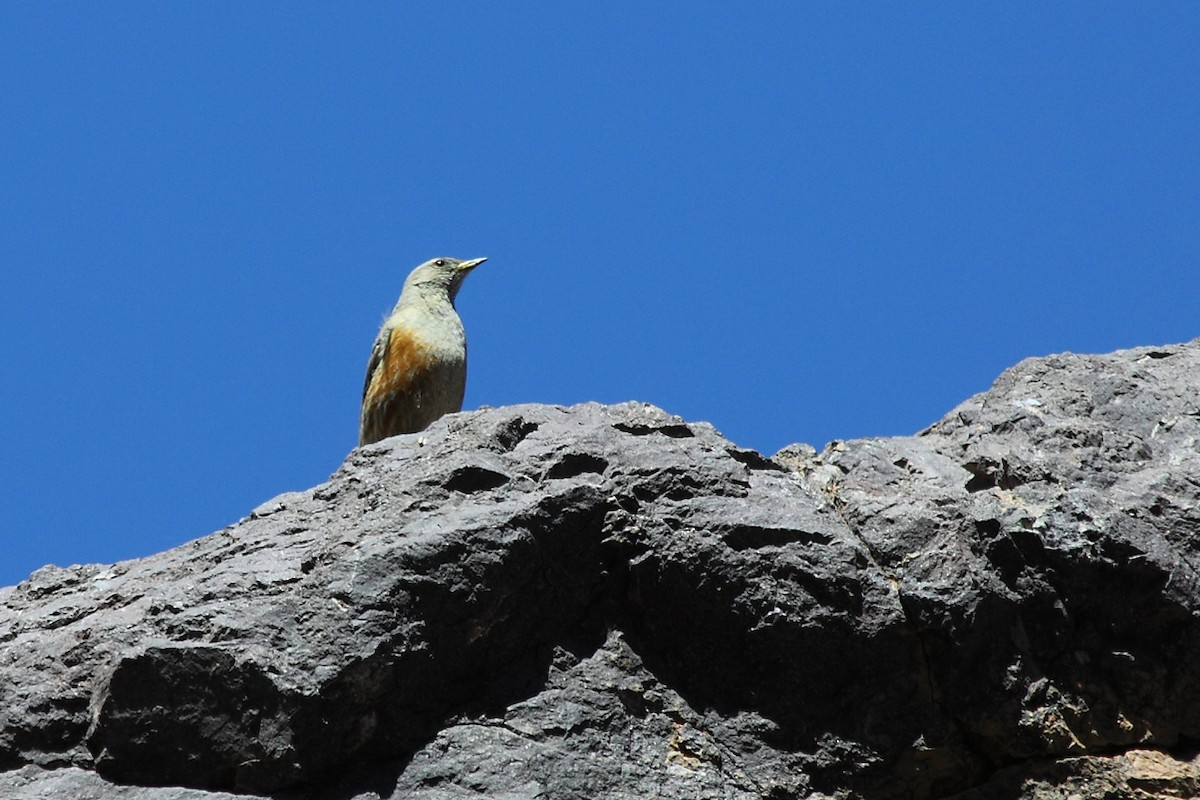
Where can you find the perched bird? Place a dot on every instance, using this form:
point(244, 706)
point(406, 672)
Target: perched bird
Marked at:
point(418, 366)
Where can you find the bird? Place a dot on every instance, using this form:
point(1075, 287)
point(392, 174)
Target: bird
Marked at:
point(418, 366)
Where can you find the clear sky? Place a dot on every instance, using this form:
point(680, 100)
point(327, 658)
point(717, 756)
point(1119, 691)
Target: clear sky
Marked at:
point(798, 221)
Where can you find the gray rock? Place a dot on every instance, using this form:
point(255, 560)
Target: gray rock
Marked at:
point(587, 602)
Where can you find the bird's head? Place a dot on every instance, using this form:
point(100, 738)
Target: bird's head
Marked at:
point(441, 274)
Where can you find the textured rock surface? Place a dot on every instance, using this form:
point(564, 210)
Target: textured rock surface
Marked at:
point(538, 602)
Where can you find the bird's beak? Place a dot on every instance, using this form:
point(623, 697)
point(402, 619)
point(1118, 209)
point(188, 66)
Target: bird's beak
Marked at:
point(469, 265)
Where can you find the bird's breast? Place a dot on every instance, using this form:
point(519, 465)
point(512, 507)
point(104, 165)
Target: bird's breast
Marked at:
point(416, 348)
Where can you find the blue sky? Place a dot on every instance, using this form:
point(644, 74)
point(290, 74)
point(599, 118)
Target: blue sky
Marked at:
point(797, 221)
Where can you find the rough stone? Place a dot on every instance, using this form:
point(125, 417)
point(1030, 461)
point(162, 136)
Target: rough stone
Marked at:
point(609, 602)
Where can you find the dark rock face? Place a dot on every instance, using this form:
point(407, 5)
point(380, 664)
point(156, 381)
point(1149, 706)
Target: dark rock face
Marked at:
point(539, 602)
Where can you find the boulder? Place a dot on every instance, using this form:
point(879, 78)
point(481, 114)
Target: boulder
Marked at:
point(608, 602)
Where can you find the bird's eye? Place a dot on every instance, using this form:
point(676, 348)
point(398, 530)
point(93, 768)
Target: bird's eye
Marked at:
point(441, 262)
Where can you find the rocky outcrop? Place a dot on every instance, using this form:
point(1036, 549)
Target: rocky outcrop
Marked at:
point(586, 602)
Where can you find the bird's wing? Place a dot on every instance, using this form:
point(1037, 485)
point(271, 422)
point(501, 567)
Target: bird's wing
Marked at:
point(377, 352)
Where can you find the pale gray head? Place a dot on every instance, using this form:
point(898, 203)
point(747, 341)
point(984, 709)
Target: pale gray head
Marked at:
point(440, 275)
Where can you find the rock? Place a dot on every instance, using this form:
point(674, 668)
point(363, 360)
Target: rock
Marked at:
point(606, 601)
point(1133, 774)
